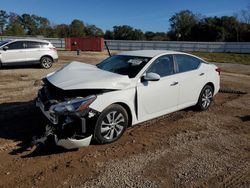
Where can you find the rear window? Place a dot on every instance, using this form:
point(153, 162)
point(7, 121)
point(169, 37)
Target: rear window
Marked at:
point(44, 44)
point(32, 44)
point(187, 63)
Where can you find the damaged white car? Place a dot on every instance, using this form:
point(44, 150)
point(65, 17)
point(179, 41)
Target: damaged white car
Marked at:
point(84, 102)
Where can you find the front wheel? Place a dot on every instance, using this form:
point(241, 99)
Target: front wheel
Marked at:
point(46, 62)
point(205, 99)
point(111, 124)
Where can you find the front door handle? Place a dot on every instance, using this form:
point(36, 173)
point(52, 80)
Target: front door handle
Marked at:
point(174, 83)
point(201, 74)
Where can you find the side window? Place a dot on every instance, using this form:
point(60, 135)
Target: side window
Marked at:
point(32, 44)
point(44, 44)
point(187, 63)
point(16, 45)
point(163, 66)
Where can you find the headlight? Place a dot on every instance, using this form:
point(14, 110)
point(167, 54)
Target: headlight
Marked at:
point(78, 104)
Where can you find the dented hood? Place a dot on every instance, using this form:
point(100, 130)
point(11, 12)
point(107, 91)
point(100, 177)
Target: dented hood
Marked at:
point(77, 75)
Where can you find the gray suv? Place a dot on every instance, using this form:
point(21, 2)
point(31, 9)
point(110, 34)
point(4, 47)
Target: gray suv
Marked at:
point(26, 52)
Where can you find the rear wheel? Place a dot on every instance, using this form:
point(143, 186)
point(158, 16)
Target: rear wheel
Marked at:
point(111, 124)
point(205, 99)
point(46, 62)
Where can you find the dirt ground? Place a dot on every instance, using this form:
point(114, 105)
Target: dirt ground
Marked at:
point(183, 149)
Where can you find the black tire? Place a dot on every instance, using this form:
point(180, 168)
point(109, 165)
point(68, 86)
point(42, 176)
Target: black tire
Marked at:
point(46, 62)
point(205, 98)
point(109, 127)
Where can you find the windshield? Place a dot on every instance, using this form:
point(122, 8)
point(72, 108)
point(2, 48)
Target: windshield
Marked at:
point(123, 64)
point(3, 43)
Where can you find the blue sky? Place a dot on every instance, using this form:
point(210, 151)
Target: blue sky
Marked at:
point(148, 15)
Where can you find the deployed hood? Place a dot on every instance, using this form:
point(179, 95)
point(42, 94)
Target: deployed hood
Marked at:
point(77, 75)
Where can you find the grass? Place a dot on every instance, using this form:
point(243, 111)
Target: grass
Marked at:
point(225, 57)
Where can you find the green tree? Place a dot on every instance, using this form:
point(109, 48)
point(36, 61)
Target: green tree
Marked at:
point(92, 30)
point(77, 28)
point(158, 36)
point(109, 35)
point(14, 26)
point(62, 30)
point(42, 25)
point(3, 20)
point(126, 32)
point(181, 25)
point(29, 24)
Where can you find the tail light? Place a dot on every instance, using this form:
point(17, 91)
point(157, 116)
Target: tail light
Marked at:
point(218, 70)
point(53, 48)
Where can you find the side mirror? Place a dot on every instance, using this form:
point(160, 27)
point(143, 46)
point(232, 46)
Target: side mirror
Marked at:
point(5, 48)
point(151, 77)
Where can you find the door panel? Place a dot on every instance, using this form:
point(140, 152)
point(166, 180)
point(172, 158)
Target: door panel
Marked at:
point(14, 53)
point(33, 50)
point(192, 77)
point(191, 84)
point(156, 98)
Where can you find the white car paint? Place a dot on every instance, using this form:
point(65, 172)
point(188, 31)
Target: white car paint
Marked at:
point(144, 100)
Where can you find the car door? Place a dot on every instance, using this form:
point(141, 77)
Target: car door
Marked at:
point(13, 53)
point(192, 78)
point(156, 98)
point(33, 51)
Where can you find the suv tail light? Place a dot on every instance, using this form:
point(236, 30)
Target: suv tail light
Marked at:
point(53, 48)
point(218, 70)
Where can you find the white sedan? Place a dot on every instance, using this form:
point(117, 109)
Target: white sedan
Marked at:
point(86, 102)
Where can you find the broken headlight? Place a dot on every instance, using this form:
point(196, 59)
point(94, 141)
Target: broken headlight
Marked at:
point(78, 104)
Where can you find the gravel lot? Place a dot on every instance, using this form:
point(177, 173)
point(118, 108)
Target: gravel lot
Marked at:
point(183, 149)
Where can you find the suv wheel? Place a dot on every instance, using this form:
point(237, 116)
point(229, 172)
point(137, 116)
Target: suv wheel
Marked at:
point(111, 124)
point(46, 62)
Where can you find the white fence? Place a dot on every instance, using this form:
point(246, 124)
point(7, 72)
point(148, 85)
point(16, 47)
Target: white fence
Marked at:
point(233, 47)
point(57, 42)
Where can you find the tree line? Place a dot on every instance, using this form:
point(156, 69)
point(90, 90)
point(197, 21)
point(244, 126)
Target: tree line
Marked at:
point(184, 26)
point(33, 25)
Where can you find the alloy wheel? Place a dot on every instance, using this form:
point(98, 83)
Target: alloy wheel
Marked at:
point(46, 62)
point(112, 125)
point(206, 98)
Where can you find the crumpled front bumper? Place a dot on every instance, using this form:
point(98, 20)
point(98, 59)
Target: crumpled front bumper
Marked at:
point(71, 143)
point(67, 143)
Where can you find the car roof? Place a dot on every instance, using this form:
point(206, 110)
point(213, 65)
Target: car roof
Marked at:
point(29, 39)
point(149, 53)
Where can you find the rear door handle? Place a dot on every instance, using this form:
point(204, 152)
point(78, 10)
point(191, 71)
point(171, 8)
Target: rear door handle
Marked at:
point(174, 83)
point(201, 74)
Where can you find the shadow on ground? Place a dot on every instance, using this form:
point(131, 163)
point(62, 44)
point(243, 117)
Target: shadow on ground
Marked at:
point(244, 118)
point(9, 67)
point(20, 121)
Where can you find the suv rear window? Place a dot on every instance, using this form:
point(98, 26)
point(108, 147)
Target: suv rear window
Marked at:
point(44, 44)
point(32, 44)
